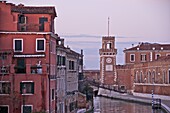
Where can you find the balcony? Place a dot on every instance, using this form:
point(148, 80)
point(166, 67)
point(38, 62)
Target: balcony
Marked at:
point(36, 69)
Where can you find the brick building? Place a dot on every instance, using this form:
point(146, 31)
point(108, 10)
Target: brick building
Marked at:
point(154, 75)
point(92, 75)
point(108, 61)
point(146, 52)
point(28, 56)
point(147, 68)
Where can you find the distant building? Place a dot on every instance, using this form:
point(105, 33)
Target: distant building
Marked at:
point(108, 61)
point(27, 58)
point(147, 68)
point(146, 52)
point(69, 72)
point(92, 75)
point(154, 75)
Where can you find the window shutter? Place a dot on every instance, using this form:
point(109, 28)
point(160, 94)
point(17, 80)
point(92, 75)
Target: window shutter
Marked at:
point(21, 87)
point(64, 60)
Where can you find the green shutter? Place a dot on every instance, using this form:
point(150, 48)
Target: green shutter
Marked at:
point(32, 87)
point(21, 87)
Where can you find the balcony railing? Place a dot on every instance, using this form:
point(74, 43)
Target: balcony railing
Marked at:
point(32, 27)
point(36, 69)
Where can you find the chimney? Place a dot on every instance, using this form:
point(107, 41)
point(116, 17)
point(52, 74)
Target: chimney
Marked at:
point(81, 52)
point(62, 42)
point(21, 5)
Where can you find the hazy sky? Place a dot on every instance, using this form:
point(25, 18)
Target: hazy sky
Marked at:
point(82, 23)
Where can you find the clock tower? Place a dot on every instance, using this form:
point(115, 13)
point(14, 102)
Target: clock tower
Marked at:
point(108, 61)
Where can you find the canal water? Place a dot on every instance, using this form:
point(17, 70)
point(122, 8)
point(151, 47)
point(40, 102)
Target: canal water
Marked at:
point(105, 105)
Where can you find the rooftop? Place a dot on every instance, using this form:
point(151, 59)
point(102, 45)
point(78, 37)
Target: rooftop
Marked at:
point(149, 46)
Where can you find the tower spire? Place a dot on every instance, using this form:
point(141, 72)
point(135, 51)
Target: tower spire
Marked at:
point(108, 26)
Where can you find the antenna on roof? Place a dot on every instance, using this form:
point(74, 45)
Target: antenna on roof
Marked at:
point(108, 26)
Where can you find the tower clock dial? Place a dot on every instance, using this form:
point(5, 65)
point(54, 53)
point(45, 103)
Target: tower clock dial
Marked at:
point(108, 60)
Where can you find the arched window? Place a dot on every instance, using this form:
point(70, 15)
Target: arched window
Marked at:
point(149, 77)
point(136, 77)
point(109, 45)
point(164, 77)
point(141, 75)
point(153, 76)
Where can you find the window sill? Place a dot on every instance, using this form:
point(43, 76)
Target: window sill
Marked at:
point(40, 51)
point(4, 94)
point(27, 94)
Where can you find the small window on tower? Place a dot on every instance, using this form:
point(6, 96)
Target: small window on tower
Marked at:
point(108, 45)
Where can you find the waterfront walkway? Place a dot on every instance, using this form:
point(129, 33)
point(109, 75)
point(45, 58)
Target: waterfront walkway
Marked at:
point(126, 97)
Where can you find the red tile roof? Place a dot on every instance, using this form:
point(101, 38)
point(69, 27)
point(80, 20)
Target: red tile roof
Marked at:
point(33, 10)
point(149, 46)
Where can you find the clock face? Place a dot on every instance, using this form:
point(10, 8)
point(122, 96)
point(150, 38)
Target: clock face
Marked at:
point(108, 60)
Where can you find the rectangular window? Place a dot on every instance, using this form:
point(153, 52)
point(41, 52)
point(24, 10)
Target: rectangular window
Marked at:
point(40, 45)
point(18, 45)
point(5, 88)
point(53, 94)
point(63, 60)
point(4, 108)
point(41, 22)
point(71, 65)
point(143, 57)
point(27, 109)
point(132, 57)
point(21, 19)
point(27, 87)
point(20, 67)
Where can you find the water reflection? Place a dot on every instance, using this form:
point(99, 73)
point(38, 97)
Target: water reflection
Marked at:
point(105, 105)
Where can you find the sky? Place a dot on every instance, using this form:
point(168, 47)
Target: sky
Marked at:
point(82, 23)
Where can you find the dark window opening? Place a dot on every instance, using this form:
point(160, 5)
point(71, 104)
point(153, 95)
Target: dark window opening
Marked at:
point(132, 57)
point(40, 45)
point(3, 109)
point(71, 65)
point(53, 94)
point(20, 67)
point(21, 19)
point(27, 87)
point(61, 60)
point(41, 22)
point(18, 45)
point(27, 109)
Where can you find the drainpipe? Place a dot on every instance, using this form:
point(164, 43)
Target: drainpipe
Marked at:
point(49, 43)
point(49, 76)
